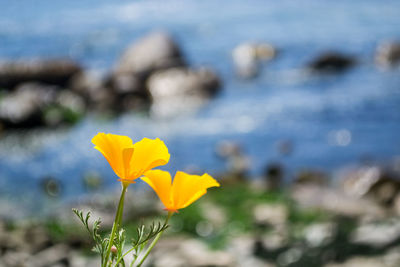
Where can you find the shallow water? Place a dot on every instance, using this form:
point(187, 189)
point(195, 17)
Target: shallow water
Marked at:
point(331, 120)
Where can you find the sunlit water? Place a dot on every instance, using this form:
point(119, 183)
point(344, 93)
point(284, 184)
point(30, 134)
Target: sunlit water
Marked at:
point(331, 120)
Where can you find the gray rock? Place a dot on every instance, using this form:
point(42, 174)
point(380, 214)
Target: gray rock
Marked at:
point(55, 72)
point(310, 176)
point(270, 214)
point(361, 261)
point(332, 62)
point(179, 89)
point(335, 201)
point(23, 107)
point(319, 234)
point(247, 58)
point(377, 234)
point(154, 51)
point(374, 182)
point(53, 255)
point(388, 54)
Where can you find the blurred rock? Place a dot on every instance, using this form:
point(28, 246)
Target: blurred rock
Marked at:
point(377, 234)
point(334, 201)
point(270, 214)
point(98, 95)
point(58, 254)
point(332, 62)
point(388, 54)
point(273, 175)
point(54, 72)
point(310, 176)
point(247, 57)
point(68, 108)
point(238, 164)
point(374, 182)
point(35, 105)
point(242, 248)
point(188, 253)
point(16, 259)
point(178, 89)
point(152, 52)
point(226, 149)
point(361, 261)
point(319, 234)
point(24, 107)
point(35, 239)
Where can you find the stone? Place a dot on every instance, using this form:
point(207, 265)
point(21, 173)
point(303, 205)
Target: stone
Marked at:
point(373, 182)
point(178, 89)
point(52, 255)
point(388, 54)
point(155, 51)
point(23, 107)
point(188, 252)
point(320, 234)
point(377, 234)
point(273, 175)
point(360, 261)
point(331, 62)
point(247, 58)
point(335, 201)
point(270, 214)
point(242, 249)
point(55, 72)
point(310, 176)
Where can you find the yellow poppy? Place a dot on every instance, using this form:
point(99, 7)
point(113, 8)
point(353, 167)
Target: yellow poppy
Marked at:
point(182, 192)
point(130, 161)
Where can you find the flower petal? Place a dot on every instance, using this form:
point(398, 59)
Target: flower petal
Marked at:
point(148, 154)
point(188, 188)
point(160, 181)
point(112, 147)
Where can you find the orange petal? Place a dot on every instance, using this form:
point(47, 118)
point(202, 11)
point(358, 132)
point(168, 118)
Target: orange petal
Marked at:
point(160, 181)
point(148, 154)
point(188, 188)
point(118, 151)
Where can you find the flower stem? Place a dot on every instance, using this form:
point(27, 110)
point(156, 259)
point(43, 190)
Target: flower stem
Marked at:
point(155, 240)
point(116, 225)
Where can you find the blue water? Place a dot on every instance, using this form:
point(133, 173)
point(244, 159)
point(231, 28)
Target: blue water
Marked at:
point(312, 112)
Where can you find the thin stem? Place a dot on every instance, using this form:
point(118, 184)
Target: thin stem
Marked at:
point(117, 222)
point(155, 240)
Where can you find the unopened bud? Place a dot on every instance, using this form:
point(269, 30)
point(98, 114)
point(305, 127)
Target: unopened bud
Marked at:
point(114, 250)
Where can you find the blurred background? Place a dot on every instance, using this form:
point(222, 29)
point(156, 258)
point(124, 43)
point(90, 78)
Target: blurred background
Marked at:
point(260, 94)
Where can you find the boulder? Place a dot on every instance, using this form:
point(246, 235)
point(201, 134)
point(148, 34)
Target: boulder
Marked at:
point(311, 177)
point(23, 108)
point(247, 57)
point(373, 182)
point(178, 89)
point(154, 51)
point(33, 105)
point(54, 72)
point(388, 54)
point(332, 62)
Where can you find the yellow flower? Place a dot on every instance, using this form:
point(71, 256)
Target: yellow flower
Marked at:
point(182, 192)
point(130, 161)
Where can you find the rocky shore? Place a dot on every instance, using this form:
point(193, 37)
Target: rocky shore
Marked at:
point(152, 72)
point(351, 221)
point(152, 75)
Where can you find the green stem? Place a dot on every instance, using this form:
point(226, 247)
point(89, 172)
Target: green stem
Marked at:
point(154, 241)
point(116, 225)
